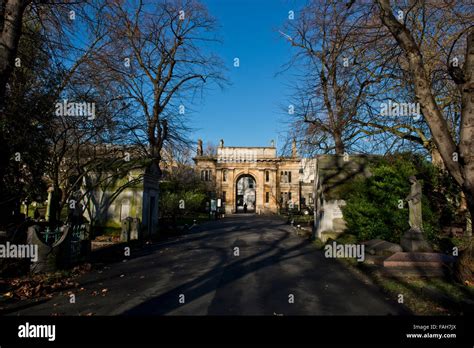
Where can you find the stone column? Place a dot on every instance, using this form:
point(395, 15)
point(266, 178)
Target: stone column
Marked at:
point(275, 191)
point(48, 207)
point(260, 191)
point(230, 199)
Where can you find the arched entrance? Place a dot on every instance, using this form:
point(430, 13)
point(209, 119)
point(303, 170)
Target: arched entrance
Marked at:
point(245, 194)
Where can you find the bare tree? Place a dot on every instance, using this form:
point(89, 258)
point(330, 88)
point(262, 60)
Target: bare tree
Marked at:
point(49, 51)
point(156, 60)
point(453, 139)
point(339, 67)
point(76, 140)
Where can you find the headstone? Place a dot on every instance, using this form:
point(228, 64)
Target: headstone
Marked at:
point(125, 234)
point(413, 240)
point(337, 212)
point(135, 228)
point(46, 257)
point(381, 247)
point(213, 205)
point(332, 223)
point(85, 241)
point(69, 246)
point(72, 247)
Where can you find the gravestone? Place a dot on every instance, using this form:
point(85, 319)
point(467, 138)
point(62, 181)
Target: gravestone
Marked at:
point(126, 228)
point(135, 228)
point(80, 243)
point(413, 240)
point(46, 256)
point(72, 247)
point(332, 222)
point(381, 247)
point(69, 246)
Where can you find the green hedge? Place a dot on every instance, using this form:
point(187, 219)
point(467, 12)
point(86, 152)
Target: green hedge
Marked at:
point(372, 209)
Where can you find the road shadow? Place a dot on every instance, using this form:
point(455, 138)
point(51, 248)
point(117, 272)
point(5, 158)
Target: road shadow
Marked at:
point(228, 272)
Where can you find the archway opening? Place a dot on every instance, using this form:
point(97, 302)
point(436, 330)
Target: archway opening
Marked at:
point(245, 194)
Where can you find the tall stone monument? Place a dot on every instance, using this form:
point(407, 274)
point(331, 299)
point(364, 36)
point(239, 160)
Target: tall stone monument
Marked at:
point(413, 239)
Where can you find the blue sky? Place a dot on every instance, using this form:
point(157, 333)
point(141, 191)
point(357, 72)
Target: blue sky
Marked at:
point(249, 111)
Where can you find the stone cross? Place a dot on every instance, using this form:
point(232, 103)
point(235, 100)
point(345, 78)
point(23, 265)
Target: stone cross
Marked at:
point(414, 205)
point(413, 240)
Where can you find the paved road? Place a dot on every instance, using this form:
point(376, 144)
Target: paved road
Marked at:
point(273, 263)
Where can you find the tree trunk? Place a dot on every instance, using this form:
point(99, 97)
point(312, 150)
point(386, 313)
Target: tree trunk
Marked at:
point(436, 159)
point(463, 267)
point(339, 144)
point(466, 144)
point(438, 125)
point(10, 36)
point(469, 213)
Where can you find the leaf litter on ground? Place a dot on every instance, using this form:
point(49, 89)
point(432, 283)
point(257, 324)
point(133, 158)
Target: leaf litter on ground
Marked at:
point(43, 285)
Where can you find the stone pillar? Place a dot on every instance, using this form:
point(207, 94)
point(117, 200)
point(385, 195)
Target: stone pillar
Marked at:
point(230, 203)
point(260, 191)
point(48, 207)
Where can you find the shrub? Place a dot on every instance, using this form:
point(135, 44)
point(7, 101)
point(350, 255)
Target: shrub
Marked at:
point(194, 201)
point(169, 203)
point(372, 209)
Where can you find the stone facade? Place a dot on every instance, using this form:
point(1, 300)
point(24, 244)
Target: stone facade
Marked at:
point(257, 178)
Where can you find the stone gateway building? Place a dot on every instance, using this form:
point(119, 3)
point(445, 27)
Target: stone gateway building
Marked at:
point(255, 179)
